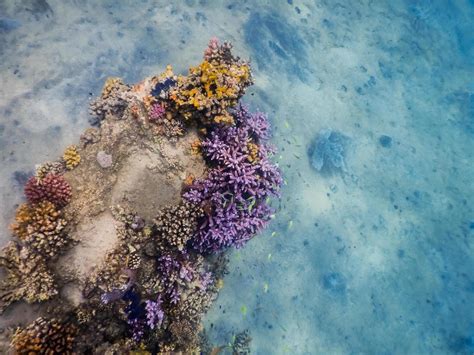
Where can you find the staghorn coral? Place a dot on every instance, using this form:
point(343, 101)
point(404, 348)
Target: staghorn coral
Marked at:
point(45, 336)
point(71, 157)
point(175, 225)
point(53, 188)
point(113, 100)
point(154, 313)
point(41, 228)
point(27, 277)
point(235, 191)
point(212, 87)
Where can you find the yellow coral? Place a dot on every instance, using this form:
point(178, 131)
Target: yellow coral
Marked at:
point(253, 152)
point(71, 157)
point(212, 87)
point(109, 85)
point(196, 147)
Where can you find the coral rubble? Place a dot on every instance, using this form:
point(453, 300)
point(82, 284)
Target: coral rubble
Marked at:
point(175, 173)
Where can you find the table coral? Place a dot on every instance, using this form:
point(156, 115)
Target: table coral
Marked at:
point(71, 157)
point(53, 188)
point(45, 336)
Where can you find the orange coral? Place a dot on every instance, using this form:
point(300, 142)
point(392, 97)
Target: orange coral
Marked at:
point(40, 227)
point(45, 336)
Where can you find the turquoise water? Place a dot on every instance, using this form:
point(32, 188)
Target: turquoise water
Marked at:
point(371, 256)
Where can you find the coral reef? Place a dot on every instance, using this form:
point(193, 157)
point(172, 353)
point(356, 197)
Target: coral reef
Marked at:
point(71, 157)
point(159, 267)
point(45, 336)
point(52, 187)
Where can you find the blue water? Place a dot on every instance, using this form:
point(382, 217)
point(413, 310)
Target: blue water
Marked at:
point(375, 256)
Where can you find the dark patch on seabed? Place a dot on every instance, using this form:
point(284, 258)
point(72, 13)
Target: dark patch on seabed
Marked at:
point(277, 43)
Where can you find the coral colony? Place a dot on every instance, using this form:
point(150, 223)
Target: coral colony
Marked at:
point(151, 290)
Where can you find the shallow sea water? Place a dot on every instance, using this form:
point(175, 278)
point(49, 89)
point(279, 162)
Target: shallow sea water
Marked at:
point(376, 256)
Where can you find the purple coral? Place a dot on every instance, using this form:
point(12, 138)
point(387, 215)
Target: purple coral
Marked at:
point(174, 272)
point(154, 313)
point(236, 188)
point(157, 112)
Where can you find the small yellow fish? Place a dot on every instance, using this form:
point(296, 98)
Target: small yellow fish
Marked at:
point(290, 224)
point(287, 125)
point(269, 257)
point(274, 234)
point(243, 310)
point(265, 287)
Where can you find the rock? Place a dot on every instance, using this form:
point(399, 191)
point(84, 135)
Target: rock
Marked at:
point(104, 159)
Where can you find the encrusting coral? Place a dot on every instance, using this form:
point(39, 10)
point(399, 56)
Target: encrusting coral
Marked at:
point(71, 157)
point(45, 336)
point(52, 187)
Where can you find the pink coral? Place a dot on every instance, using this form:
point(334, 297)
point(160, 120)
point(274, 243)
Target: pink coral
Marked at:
point(157, 112)
point(53, 188)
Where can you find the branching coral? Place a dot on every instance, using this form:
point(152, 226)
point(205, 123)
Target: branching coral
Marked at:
point(42, 170)
point(212, 87)
point(71, 157)
point(113, 100)
point(45, 336)
point(175, 225)
point(234, 193)
point(53, 188)
point(27, 278)
point(157, 112)
point(41, 228)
